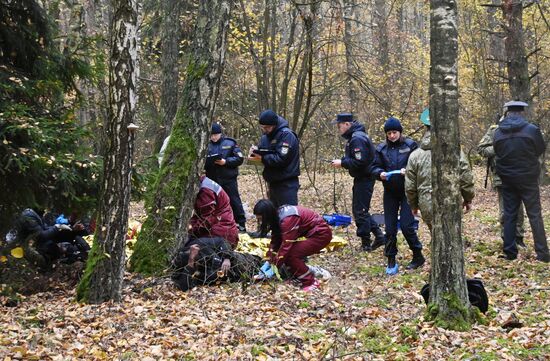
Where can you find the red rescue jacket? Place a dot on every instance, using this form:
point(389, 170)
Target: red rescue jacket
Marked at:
point(213, 216)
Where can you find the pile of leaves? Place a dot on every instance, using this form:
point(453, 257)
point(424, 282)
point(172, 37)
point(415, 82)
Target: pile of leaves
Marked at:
point(359, 314)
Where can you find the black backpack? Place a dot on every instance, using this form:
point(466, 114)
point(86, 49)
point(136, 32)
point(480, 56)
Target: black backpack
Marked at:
point(476, 293)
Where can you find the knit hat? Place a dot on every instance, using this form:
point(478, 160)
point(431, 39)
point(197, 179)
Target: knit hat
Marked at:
point(269, 117)
point(216, 128)
point(392, 124)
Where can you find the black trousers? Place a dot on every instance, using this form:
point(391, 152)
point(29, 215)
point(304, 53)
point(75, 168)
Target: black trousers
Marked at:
point(285, 192)
point(396, 207)
point(513, 194)
point(232, 189)
point(362, 195)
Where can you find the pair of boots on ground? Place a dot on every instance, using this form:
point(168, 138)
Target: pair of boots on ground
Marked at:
point(392, 268)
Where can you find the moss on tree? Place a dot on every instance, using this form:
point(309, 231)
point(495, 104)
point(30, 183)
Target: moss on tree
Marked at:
point(156, 240)
point(94, 256)
point(453, 316)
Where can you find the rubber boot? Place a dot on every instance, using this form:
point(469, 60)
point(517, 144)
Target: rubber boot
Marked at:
point(418, 259)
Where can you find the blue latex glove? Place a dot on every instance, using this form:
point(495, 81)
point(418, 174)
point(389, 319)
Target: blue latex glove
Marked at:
point(393, 172)
point(267, 270)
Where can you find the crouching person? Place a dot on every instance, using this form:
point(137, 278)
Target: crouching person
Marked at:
point(288, 225)
point(213, 216)
point(206, 261)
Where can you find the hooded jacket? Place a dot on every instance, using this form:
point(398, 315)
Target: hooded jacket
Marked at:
point(418, 179)
point(359, 153)
point(282, 161)
point(226, 148)
point(517, 145)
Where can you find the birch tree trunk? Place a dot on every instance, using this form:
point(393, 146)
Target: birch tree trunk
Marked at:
point(175, 190)
point(170, 33)
point(348, 9)
point(102, 280)
point(449, 305)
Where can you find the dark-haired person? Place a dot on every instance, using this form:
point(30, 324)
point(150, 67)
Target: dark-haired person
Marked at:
point(222, 166)
point(296, 232)
point(279, 152)
point(213, 216)
point(205, 261)
point(389, 167)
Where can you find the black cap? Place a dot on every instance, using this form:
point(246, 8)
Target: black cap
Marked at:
point(216, 128)
point(393, 124)
point(269, 117)
point(343, 117)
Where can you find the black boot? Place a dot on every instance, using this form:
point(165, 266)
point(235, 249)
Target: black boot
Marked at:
point(418, 259)
point(365, 244)
point(520, 243)
point(379, 238)
point(242, 228)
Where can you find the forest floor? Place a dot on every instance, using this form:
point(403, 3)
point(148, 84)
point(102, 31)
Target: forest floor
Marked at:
point(360, 314)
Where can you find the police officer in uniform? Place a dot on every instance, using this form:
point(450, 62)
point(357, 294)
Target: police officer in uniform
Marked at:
point(222, 166)
point(389, 166)
point(485, 149)
point(279, 152)
point(518, 145)
point(358, 159)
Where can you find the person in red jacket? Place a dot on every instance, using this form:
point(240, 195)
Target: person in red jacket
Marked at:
point(288, 225)
point(213, 216)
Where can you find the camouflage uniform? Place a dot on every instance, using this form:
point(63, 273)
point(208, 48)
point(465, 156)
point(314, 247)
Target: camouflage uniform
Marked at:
point(418, 180)
point(486, 150)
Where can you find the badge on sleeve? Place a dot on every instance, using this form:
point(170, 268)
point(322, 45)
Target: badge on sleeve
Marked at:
point(284, 148)
point(240, 154)
point(357, 152)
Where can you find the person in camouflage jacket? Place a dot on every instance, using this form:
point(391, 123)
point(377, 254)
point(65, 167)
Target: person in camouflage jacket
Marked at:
point(418, 180)
point(486, 150)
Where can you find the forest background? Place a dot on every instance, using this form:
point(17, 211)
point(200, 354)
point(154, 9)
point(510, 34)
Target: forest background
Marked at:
point(308, 61)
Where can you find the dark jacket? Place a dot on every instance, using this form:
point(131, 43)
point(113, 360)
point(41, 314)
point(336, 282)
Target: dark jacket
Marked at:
point(282, 161)
point(226, 148)
point(359, 153)
point(393, 156)
point(518, 144)
point(212, 252)
point(213, 216)
point(30, 223)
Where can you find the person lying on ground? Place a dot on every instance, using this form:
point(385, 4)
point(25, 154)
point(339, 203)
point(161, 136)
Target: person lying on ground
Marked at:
point(207, 261)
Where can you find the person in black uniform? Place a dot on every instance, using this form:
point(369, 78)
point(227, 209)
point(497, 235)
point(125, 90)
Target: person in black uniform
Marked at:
point(279, 151)
point(389, 167)
point(222, 166)
point(358, 159)
point(518, 145)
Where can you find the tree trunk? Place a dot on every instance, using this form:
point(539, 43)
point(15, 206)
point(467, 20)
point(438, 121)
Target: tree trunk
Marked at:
point(518, 71)
point(176, 188)
point(102, 279)
point(449, 305)
point(170, 34)
point(349, 16)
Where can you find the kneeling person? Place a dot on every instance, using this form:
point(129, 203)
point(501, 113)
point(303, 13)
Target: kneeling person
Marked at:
point(287, 225)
